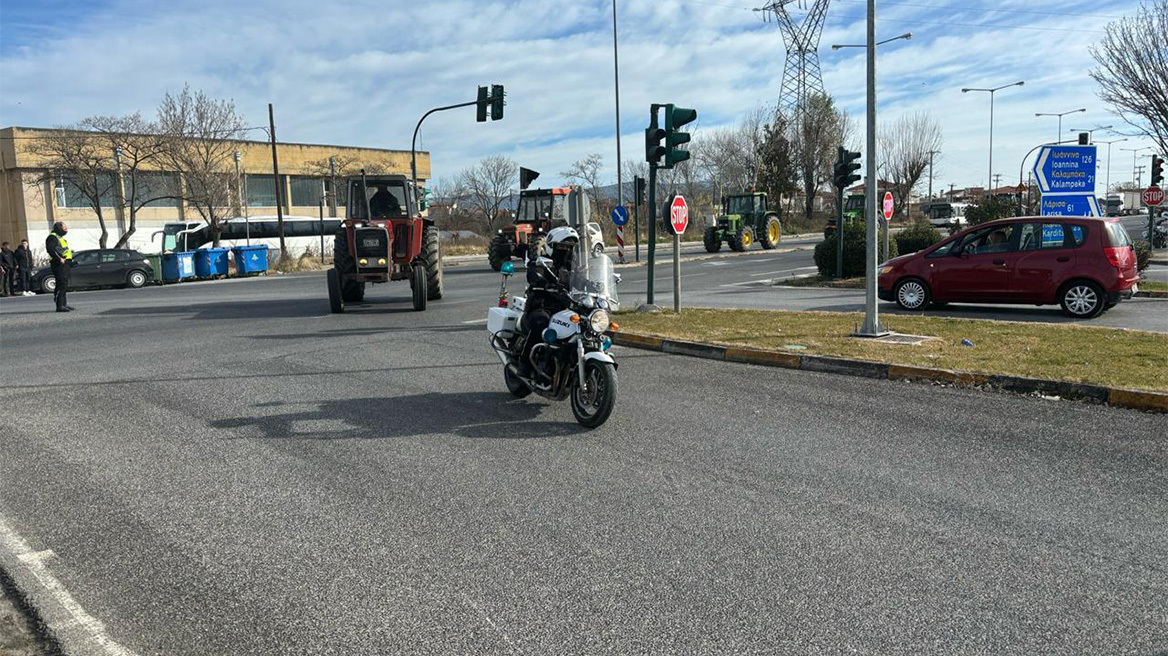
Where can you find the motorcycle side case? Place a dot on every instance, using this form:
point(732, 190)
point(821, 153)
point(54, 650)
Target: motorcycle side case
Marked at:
point(502, 320)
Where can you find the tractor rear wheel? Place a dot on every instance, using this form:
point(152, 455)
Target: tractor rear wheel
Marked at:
point(772, 232)
point(499, 251)
point(711, 240)
point(432, 251)
point(418, 284)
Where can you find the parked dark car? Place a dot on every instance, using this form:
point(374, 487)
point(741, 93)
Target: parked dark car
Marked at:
point(1085, 264)
point(108, 267)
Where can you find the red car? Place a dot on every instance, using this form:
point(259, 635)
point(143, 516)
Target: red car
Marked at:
point(1084, 264)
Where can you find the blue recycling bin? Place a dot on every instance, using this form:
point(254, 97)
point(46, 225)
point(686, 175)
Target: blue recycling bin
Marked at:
point(177, 266)
point(250, 259)
point(211, 262)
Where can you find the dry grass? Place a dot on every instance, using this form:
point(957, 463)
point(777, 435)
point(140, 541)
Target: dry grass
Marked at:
point(1108, 356)
point(306, 261)
point(465, 246)
point(1153, 286)
point(820, 281)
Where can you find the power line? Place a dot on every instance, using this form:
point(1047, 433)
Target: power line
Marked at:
point(987, 10)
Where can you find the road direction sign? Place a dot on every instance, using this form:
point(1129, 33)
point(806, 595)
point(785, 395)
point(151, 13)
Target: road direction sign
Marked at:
point(619, 215)
point(1066, 170)
point(887, 206)
point(1153, 196)
point(679, 214)
point(1069, 205)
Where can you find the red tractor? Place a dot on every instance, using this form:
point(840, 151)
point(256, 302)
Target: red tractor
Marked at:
point(382, 238)
point(539, 211)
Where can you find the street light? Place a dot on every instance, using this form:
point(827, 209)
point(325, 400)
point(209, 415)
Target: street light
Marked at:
point(1091, 131)
point(1135, 152)
point(1107, 189)
point(1060, 116)
point(989, 179)
point(906, 36)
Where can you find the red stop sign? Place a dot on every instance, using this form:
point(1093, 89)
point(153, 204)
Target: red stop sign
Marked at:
point(679, 214)
point(1153, 196)
point(887, 205)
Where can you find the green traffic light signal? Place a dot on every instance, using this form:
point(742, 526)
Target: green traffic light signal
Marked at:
point(498, 97)
point(675, 117)
point(481, 107)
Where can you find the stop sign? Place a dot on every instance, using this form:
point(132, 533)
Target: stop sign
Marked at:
point(1153, 196)
point(887, 205)
point(678, 214)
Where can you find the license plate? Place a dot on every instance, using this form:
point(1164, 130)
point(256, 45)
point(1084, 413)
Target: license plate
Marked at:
point(371, 243)
point(1135, 289)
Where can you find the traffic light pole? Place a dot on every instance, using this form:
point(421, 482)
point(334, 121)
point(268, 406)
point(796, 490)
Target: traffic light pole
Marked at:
point(839, 232)
point(637, 217)
point(651, 215)
point(414, 141)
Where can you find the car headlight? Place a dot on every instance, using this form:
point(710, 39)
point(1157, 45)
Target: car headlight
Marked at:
point(598, 321)
point(885, 269)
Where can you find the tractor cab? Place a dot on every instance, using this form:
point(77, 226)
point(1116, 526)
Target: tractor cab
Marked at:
point(744, 204)
point(539, 211)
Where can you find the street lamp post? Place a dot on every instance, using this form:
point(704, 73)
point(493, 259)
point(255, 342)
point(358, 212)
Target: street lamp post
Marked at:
point(990, 175)
point(1135, 152)
point(1060, 116)
point(1090, 131)
point(620, 188)
point(1107, 189)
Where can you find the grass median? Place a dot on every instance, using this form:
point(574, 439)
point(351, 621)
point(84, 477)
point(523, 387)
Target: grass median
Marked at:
point(1088, 354)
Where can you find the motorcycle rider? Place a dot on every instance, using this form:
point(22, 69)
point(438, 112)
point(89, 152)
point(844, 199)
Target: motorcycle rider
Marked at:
point(548, 278)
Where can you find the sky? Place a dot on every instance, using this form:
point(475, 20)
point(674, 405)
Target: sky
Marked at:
point(356, 72)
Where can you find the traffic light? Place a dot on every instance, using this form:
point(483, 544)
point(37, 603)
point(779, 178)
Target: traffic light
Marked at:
point(638, 190)
point(654, 151)
point(1157, 169)
point(481, 107)
point(846, 167)
point(1084, 138)
point(497, 101)
point(675, 117)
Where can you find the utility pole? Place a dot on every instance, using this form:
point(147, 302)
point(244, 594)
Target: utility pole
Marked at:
point(997, 182)
point(333, 186)
point(931, 153)
point(1140, 175)
point(951, 186)
point(276, 181)
point(620, 187)
point(871, 327)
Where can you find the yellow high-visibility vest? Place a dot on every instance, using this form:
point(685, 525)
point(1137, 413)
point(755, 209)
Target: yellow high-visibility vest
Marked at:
point(64, 245)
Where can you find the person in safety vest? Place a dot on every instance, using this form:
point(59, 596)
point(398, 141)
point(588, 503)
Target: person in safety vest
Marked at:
point(61, 260)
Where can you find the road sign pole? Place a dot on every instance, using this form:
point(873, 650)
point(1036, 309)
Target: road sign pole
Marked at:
point(620, 244)
point(677, 273)
point(839, 233)
point(652, 216)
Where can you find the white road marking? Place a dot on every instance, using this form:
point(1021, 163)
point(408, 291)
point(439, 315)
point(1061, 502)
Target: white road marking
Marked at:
point(34, 562)
point(483, 320)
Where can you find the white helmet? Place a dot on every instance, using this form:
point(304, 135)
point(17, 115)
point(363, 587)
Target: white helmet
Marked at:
point(561, 238)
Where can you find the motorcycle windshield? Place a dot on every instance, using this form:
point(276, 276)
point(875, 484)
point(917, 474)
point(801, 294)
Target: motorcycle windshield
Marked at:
point(594, 283)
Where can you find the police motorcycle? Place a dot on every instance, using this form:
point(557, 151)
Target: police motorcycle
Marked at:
point(553, 340)
point(1159, 238)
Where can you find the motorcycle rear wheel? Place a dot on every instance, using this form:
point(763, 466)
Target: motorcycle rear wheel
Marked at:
point(592, 406)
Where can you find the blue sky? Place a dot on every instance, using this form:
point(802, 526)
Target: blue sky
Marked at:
point(362, 72)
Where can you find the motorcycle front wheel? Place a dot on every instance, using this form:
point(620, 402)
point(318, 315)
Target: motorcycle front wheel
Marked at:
point(593, 403)
point(517, 387)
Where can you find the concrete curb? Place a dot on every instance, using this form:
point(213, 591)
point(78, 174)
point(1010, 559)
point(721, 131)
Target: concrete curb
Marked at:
point(1151, 294)
point(1115, 396)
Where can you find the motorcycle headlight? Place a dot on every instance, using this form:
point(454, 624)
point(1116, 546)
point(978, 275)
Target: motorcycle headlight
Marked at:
point(598, 321)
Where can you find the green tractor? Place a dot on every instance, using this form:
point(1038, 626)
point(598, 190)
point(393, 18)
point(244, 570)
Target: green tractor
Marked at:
point(853, 211)
point(745, 220)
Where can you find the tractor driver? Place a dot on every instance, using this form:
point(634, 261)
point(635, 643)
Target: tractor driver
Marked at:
point(547, 285)
point(383, 204)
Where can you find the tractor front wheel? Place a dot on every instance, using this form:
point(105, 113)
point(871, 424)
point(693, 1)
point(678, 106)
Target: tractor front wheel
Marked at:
point(499, 251)
point(772, 232)
point(418, 284)
point(711, 240)
point(741, 239)
point(351, 291)
point(336, 301)
point(432, 251)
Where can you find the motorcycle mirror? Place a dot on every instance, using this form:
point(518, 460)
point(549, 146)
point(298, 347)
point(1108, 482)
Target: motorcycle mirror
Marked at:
point(507, 268)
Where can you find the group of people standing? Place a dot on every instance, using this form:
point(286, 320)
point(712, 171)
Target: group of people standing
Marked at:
point(18, 265)
point(15, 265)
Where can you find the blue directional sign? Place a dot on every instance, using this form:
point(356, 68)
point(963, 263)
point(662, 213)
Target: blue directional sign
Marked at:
point(1070, 205)
point(620, 215)
point(1066, 170)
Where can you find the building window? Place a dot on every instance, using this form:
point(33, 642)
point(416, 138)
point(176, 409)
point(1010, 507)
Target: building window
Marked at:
point(259, 190)
point(155, 184)
point(69, 192)
point(306, 191)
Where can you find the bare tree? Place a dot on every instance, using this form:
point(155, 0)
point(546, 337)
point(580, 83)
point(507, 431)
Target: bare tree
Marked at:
point(814, 133)
point(341, 168)
point(199, 134)
point(1133, 67)
point(137, 144)
point(488, 185)
point(586, 173)
point(74, 158)
point(903, 155)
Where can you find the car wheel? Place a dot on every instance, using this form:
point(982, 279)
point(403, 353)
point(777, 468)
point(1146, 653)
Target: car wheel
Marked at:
point(136, 279)
point(912, 294)
point(597, 250)
point(1083, 299)
point(49, 284)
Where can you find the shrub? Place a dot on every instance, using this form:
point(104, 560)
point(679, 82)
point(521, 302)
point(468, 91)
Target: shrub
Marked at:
point(855, 251)
point(989, 208)
point(1143, 254)
point(918, 236)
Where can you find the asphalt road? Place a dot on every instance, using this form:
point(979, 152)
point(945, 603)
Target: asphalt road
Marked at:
point(225, 468)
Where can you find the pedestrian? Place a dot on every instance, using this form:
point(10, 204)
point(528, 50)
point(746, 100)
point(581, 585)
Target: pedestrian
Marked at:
point(7, 269)
point(61, 260)
point(24, 267)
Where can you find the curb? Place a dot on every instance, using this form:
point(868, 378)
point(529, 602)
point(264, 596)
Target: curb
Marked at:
point(1154, 294)
point(1114, 396)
